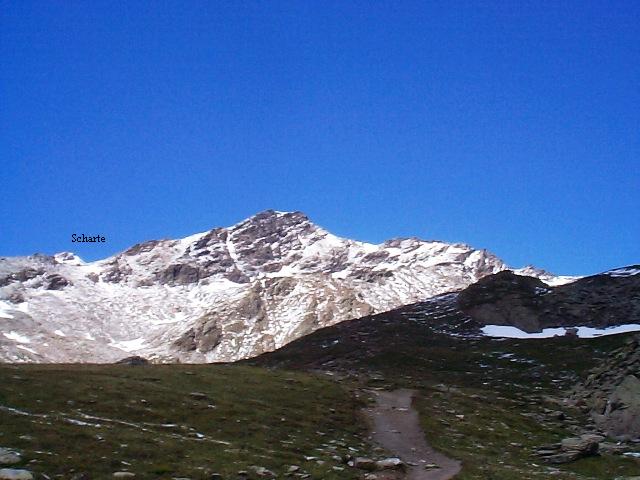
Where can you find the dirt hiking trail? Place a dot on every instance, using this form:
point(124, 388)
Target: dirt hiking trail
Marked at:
point(396, 428)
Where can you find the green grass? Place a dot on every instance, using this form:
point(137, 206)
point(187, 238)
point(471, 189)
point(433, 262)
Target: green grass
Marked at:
point(497, 435)
point(504, 390)
point(247, 417)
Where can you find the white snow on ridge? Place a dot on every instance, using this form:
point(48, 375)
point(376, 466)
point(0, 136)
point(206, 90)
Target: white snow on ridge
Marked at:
point(69, 258)
point(623, 272)
point(554, 281)
point(323, 245)
point(507, 331)
point(187, 241)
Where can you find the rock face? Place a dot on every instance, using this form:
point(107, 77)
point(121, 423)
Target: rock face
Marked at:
point(222, 295)
point(611, 393)
point(529, 304)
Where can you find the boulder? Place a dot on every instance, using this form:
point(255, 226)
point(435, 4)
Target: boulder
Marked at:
point(364, 463)
point(263, 472)
point(571, 449)
point(585, 445)
point(123, 475)
point(81, 476)
point(9, 457)
point(14, 474)
point(389, 463)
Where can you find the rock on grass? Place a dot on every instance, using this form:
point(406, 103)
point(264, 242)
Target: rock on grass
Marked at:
point(14, 474)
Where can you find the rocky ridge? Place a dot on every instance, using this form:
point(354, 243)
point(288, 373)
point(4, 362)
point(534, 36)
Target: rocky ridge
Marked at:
point(529, 304)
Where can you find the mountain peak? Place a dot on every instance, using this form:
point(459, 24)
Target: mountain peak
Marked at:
point(271, 215)
point(271, 223)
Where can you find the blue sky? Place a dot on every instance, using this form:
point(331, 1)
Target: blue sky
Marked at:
point(511, 126)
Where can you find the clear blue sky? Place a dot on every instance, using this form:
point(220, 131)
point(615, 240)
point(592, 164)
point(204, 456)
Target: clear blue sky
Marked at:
point(511, 126)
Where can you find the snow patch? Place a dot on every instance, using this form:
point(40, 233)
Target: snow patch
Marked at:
point(558, 280)
point(15, 336)
point(60, 333)
point(4, 310)
point(68, 258)
point(74, 421)
point(323, 246)
point(129, 345)
point(368, 247)
point(23, 307)
point(191, 239)
point(22, 347)
point(507, 331)
point(341, 275)
point(588, 332)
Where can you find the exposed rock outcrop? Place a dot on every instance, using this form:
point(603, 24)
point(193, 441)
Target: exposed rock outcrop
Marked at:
point(611, 393)
point(55, 281)
point(134, 361)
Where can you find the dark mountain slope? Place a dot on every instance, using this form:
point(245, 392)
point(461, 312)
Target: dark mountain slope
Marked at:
point(600, 301)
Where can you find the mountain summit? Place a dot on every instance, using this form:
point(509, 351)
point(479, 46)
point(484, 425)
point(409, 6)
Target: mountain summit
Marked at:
point(221, 295)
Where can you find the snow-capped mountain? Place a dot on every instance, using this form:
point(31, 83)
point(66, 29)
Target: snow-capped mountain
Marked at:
point(226, 294)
